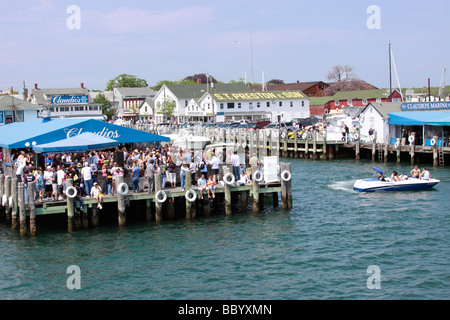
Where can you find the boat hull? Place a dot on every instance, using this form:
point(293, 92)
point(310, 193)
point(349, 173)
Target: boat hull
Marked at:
point(373, 185)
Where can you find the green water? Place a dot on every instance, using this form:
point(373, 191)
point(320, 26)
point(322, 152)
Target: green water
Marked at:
point(320, 249)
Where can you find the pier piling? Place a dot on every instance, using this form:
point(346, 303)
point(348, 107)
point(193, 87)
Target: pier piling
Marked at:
point(255, 191)
point(8, 195)
point(15, 207)
point(32, 207)
point(22, 213)
point(158, 205)
point(70, 208)
point(122, 217)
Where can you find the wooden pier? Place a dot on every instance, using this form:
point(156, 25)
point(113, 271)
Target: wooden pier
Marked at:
point(16, 212)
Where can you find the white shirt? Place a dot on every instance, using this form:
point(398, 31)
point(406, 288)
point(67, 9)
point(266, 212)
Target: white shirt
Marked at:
point(215, 163)
point(235, 160)
point(48, 175)
point(87, 173)
point(60, 174)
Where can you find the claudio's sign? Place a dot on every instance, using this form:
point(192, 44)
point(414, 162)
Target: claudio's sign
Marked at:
point(438, 105)
point(69, 99)
point(105, 132)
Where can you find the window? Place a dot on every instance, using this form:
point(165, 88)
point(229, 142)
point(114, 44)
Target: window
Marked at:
point(364, 101)
point(258, 104)
point(230, 105)
point(291, 104)
point(336, 103)
point(250, 105)
point(185, 103)
point(268, 104)
point(378, 100)
point(239, 105)
point(221, 106)
point(349, 102)
point(281, 103)
point(303, 103)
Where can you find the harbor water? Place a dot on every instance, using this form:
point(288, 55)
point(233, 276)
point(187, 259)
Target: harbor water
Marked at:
point(326, 247)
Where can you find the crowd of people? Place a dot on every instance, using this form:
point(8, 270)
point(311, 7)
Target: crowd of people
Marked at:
point(94, 173)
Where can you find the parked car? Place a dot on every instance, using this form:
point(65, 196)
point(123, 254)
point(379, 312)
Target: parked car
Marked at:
point(288, 126)
point(259, 124)
point(306, 121)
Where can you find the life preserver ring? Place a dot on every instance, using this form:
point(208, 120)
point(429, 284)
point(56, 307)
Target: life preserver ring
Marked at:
point(244, 145)
point(411, 139)
point(433, 142)
point(191, 195)
point(396, 144)
point(71, 192)
point(158, 196)
point(371, 137)
point(4, 199)
point(355, 136)
point(229, 178)
point(286, 175)
point(283, 135)
point(258, 176)
point(304, 135)
point(123, 189)
point(212, 138)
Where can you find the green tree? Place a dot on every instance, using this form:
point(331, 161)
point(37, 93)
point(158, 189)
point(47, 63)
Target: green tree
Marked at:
point(127, 81)
point(166, 108)
point(107, 108)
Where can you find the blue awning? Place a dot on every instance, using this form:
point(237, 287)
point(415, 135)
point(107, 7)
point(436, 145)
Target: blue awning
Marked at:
point(42, 131)
point(419, 118)
point(83, 142)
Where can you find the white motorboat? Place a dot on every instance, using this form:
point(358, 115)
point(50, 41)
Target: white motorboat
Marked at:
point(387, 184)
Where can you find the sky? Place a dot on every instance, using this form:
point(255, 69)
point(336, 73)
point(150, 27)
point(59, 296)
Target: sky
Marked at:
point(50, 43)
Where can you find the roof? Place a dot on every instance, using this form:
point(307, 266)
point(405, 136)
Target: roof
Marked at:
point(189, 91)
point(136, 92)
point(385, 108)
point(6, 103)
point(319, 101)
point(82, 142)
point(302, 86)
point(411, 118)
point(259, 95)
point(43, 131)
point(361, 94)
point(39, 97)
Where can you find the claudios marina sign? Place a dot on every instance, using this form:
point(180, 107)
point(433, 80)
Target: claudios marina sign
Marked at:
point(70, 99)
point(438, 105)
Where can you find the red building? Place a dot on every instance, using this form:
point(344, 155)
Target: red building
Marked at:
point(311, 89)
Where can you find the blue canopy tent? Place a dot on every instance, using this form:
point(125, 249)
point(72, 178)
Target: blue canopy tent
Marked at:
point(438, 118)
point(83, 142)
point(42, 131)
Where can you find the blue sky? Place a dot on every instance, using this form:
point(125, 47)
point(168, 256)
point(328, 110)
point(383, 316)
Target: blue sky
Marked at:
point(169, 40)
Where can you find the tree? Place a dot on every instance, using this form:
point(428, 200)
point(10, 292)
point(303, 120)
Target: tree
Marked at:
point(275, 81)
point(203, 78)
point(344, 80)
point(166, 108)
point(107, 108)
point(127, 81)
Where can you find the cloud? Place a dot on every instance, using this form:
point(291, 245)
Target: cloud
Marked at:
point(128, 20)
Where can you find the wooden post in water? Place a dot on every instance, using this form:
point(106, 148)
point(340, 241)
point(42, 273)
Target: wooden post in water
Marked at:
point(70, 208)
point(158, 206)
point(284, 204)
point(358, 148)
point(148, 210)
point(398, 149)
point(413, 143)
point(190, 206)
point(8, 195)
point(227, 190)
point(14, 193)
point(435, 152)
point(288, 185)
point(243, 201)
point(22, 213)
point(32, 208)
point(122, 216)
point(295, 144)
point(255, 191)
point(386, 149)
point(374, 146)
point(314, 154)
point(95, 219)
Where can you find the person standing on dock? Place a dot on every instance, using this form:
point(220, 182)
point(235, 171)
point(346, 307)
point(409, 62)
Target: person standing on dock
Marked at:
point(86, 175)
point(150, 174)
point(193, 169)
point(236, 165)
point(215, 163)
point(183, 171)
point(135, 176)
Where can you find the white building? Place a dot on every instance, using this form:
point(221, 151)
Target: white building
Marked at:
point(129, 100)
point(191, 101)
point(66, 103)
point(376, 116)
point(261, 105)
point(13, 109)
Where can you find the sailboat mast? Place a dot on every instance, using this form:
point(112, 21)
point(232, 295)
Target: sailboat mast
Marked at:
point(390, 70)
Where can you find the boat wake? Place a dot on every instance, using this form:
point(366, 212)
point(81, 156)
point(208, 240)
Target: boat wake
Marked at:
point(342, 185)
